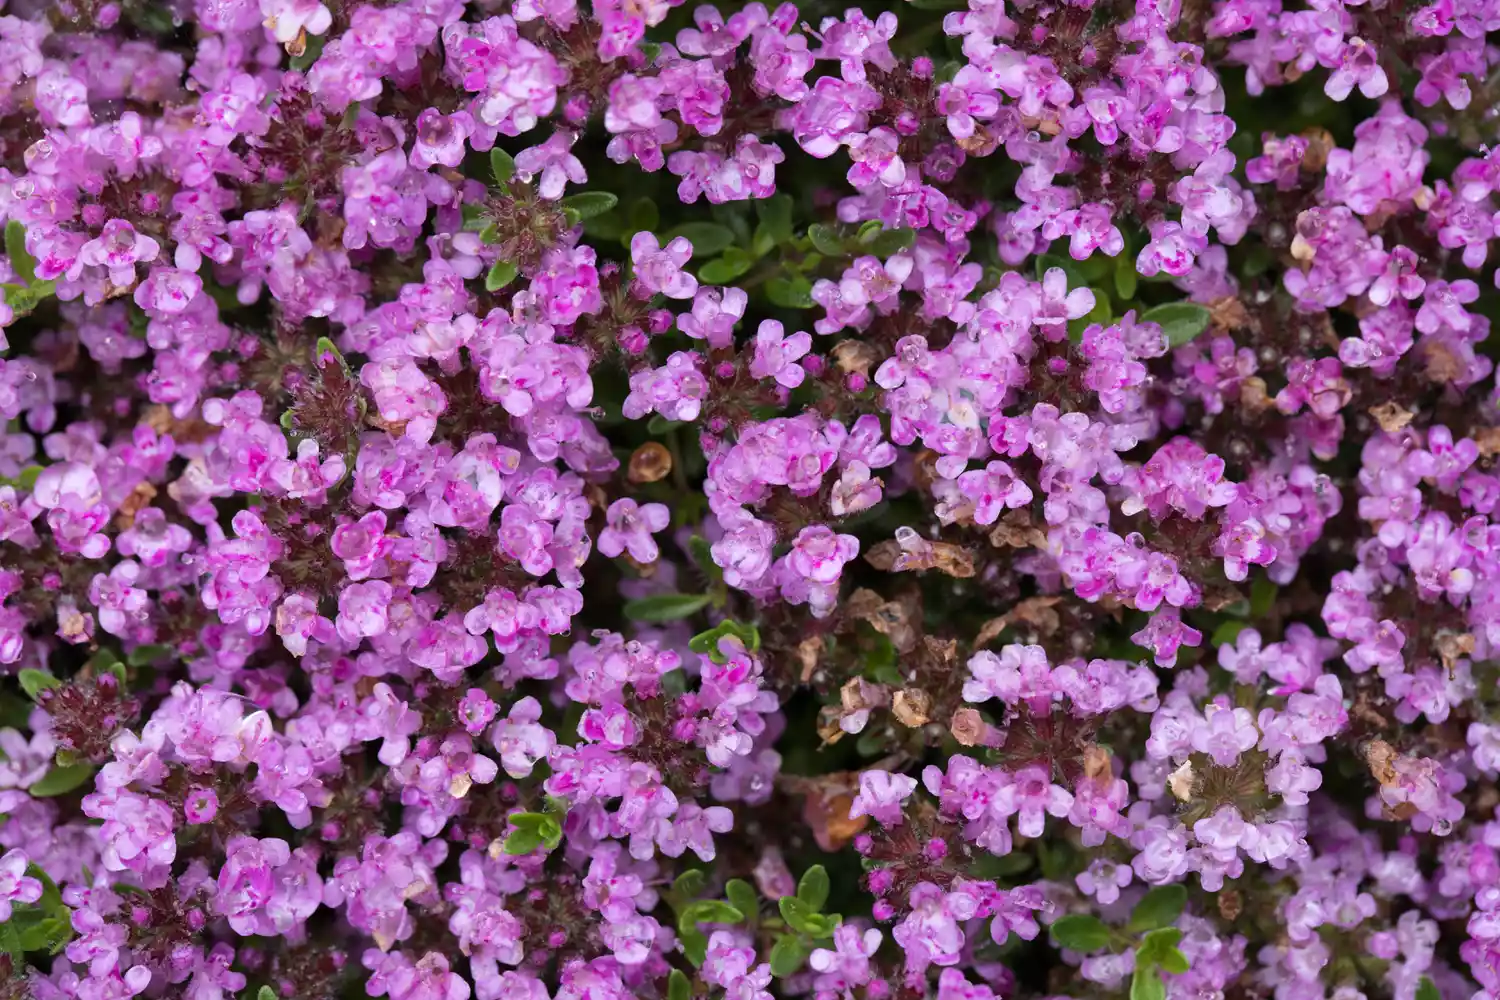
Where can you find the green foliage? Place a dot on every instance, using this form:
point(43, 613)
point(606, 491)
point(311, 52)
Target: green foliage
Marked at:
point(1081, 932)
point(500, 275)
point(1158, 908)
point(1180, 321)
point(43, 926)
point(502, 166)
point(812, 890)
point(707, 238)
point(62, 779)
point(533, 829)
point(587, 204)
point(707, 643)
point(678, 986)
point(28, 293)
point(666, 607)
point(34, 682)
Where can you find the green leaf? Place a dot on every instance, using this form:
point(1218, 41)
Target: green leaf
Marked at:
point(266, 993)
point(502, 274)
point(489, 234)
point(502, 166)
point(643, 216)
point(775, 214)
point(1126, 278)
point(723, 270)
point(1047, 261)
point(1158, 908)
point(587, 204)
point(678, 986)
point(522, 842)
point(1180, 321)
point(1427, 989)
point(1227, 633)
point(694, 945)
point(21, 260)
point(889, 242)
point(790, 293)
point(62, 780)
point(311, 50)
point(707, 643)
point(1158, 944)
point(709, 911)
point(688, 884)
point(34, 682)
point(10, 939)
point(812, 890)
point(708, 238)
point(800, 917)
point(27, 478)
point(326, 348)
point(142, 656)
point(743, 897)
point(1175, 962)
point(665, 607)
point(1262, 597)
point(1146, 984)
point(826, 239)
point(787, 955)
point(1081, 932)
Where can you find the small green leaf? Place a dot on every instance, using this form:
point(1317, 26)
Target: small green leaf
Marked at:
point(787, 955)
point(707, 643)
point(1081, 932)
point(489, 234)
point(27, 478)
point(708, 238)
point(790, 293)
point(1047, 261)
point(266, 993)
point(659, 425)
point(775, 214)
point(826, 239)
point(21, 260)
point(688, 884)
point(1174, 961)
point(1427, 989)
point(34, 682)
point(587, 204)
point(889, 242)
point(678, 986)
point(502, 166)
point(665, 607)
point(311, 50)
point(142, 656)
point(694, 945)
point(1158, 908)
point(723, 270)
point(62, 780)
point(709, 911)
point(1146, 984)
point(1180, 321)
point(502, 274)
point(522, 842)
point(1126, 278)
point(1158, 944)
point(1262, 597)
point(643, 216)
point(812, 890)
point(742, 897)
point(1227, 633)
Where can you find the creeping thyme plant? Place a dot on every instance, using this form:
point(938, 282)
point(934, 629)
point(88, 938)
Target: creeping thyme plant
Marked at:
point(612, 499)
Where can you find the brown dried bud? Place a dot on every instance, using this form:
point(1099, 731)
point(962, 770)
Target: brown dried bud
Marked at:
point(826, 808)
point(651, 463)
point(1097, 763)
point(1038, 612)
point(1488, 439)
point(967, 727)
point(855, 356)
point(1391, 416)
point(1320, 143)
point(1231, 904)
point(135, 501)
point(1229, 313)
point(1452, 647)
point(912, 707)
point(1181, 782)
point(1015, 531)
point(808, 653)
point(1253, 397)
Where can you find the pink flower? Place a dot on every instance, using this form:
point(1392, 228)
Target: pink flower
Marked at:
point(629, 527)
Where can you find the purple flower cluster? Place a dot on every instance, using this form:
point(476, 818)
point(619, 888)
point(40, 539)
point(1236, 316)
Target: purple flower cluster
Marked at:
point(520, 500)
